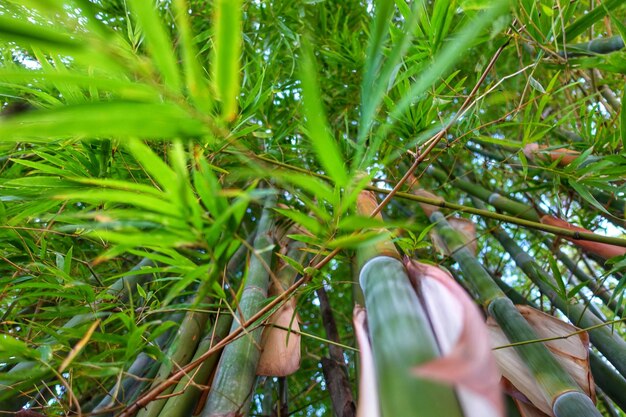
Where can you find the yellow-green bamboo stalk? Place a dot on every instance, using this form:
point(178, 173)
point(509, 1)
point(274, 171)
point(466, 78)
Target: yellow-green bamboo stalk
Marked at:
point(400, 333)
point(235, 378)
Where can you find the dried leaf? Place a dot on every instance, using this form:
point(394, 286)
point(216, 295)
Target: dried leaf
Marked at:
point(366, 204)
point(563, 155)
point(281, 348)
point(467, 361)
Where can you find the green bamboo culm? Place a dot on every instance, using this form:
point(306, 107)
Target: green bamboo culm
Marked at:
point(401, 339)
point(552, 379)
point(604, 375)
point(612, 346)
point(613, 384)
point(179, 354)
point(500, 202)
point(598, 290)
point(401, 335)
point(235, 377)
point(182, 405)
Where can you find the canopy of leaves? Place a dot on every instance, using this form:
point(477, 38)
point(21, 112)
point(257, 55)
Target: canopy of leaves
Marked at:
point(139, 140)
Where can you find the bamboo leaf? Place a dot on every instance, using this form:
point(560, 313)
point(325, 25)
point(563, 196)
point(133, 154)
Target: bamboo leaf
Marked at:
point(158, 41)
point(587, 196)
point(195, 81)
point(449, 55)
point(325, 147)
point(226, 67)
point(309, 223)
point(19, 30)
point(104, 119)
point(589, 19)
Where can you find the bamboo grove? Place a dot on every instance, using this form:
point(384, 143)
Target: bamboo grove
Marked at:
point(277, 208)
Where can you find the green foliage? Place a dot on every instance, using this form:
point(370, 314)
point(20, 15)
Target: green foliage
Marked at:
point(138, 140)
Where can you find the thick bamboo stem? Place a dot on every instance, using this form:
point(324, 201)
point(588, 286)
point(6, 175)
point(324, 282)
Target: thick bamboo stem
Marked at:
point(606, 341)
point(400, 333)
point(182, 405)
point(553, 380)
point(239, 359)
point(605, 376)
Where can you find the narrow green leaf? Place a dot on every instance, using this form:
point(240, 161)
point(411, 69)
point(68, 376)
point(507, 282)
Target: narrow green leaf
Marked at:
point(558, 278)
point(67, 266)
point(122, 88)
point(153, 164)
point(379, 32)
point(120, 185)
point(157, 41)
point(449, 55)
point(324, 145)
point(195, 81)
point(97, 120)
point(373, 91)
point(122, 197)
point(586, 195)
point(587, 20)
point(19, 30)
point(226, 67)
point(358, 240)
point(311, 224)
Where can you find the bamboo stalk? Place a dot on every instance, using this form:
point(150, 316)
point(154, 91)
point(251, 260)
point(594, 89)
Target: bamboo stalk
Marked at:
point(523, 211)
point(592, 283)
point(609, 343)
point(593, 47)
point(182, 405)
point(500, 202)
point(239, 358)
point(179, 354)
point(400, 333)
point(608, 200)
point(612, 383)
point(553, 380)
